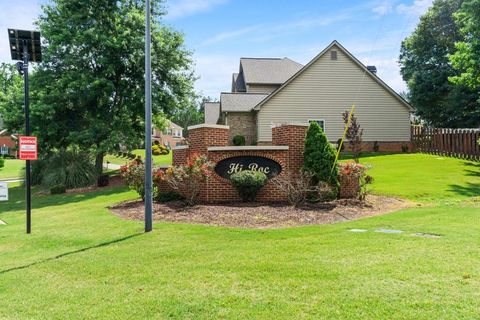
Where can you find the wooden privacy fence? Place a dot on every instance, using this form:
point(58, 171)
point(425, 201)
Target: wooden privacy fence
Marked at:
point(460, 143)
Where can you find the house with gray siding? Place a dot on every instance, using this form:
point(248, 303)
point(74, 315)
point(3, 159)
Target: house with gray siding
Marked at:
point(270, 92)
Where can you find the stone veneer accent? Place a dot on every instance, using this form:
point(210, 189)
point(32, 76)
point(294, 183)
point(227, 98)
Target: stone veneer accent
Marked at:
point(242, 123)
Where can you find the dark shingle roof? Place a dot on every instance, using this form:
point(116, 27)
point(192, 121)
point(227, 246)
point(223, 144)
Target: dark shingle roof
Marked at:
point(268, 70)
point(240, 102)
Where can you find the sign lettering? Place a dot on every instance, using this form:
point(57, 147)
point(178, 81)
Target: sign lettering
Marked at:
point(229, 166)
point(28, 148)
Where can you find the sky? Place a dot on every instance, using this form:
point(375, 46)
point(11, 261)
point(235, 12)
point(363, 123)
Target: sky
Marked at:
point(219, 32)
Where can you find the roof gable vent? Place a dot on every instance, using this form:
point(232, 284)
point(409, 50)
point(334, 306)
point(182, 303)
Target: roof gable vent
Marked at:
point(333, 55)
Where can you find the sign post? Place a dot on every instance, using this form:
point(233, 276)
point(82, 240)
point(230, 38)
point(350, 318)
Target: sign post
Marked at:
point(25, 46)
point(3, 191)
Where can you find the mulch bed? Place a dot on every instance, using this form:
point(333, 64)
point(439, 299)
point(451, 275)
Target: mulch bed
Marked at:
point(263, 215)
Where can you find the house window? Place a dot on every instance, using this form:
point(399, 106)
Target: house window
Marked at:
point(178, 133)
point(4, 150)
point(320, 122)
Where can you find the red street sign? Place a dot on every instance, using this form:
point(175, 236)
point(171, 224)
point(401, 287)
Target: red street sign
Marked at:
point(28, 148)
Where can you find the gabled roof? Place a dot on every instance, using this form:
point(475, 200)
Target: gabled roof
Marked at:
point(268, 70)
point(212, 112)
point(240, 102)
point(173, 125)
point(355, 60)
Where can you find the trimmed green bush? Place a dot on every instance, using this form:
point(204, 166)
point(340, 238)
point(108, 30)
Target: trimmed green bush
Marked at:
point(319, 157)
point(239, 140)
point(58, 189)
point(2, 162)
point(248, 183)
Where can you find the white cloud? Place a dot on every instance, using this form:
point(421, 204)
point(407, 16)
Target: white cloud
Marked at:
point(182, 8)
point(229, 35)
point(417, 8)
point(383, 8)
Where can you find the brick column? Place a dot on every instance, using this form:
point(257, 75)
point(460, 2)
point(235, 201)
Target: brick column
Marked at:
point(292, 135)
point(202, 136)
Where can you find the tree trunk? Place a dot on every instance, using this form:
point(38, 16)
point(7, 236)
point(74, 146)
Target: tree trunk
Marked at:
point(99, 163)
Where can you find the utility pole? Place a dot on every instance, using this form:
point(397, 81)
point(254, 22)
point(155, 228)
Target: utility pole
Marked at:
point(148, 122)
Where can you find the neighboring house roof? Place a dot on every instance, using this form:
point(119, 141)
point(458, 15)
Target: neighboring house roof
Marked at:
point(240, 102)
point(268, 70)
point(212, 112)
point(355, 60)
point(175, 126)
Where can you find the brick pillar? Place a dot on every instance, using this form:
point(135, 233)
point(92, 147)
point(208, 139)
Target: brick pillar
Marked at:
point(292, 135)
point(202, 136)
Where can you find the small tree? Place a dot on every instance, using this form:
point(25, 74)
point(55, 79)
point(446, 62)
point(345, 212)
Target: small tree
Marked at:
point(354, 135)
point(319, 157)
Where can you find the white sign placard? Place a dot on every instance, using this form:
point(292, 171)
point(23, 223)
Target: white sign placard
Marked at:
point(3, 191)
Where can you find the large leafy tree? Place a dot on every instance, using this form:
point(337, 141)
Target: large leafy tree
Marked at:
point(11, 98)
point(89, 90)
point(467, 57)
point(425, 66)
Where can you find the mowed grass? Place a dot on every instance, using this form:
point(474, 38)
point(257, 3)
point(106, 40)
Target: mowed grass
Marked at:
point(13, 169)
point(423, 177)
point(82, 262)
point(165, 160)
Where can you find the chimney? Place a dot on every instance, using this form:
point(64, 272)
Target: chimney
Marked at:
point(372, 69)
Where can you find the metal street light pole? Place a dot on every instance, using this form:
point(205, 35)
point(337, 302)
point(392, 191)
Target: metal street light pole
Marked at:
point(148, 122)
point(27, 133)
point(25, 46)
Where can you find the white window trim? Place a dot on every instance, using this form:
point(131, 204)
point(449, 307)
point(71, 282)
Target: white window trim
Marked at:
point(324, 123)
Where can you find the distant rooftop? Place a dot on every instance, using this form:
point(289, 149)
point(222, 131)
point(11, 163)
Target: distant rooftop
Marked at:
point(240, 102)
point(268, 70)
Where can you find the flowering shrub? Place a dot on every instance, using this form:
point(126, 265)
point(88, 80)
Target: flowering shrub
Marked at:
point(188, 179)
point(134, 176)
point(353, 180)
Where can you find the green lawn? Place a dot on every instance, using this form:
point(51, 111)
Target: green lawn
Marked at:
point(12, 169)
point(157, 160)
point(82, 262)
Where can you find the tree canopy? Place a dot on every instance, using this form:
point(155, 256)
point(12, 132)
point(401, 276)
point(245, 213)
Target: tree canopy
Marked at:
point(467, 57)
point(426, 67)
point(89, 90)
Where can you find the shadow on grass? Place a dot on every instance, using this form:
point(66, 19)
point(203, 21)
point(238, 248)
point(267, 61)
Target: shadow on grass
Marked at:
point(468, 190)
point(17, 198)
point(103, 244)
point(474, 168)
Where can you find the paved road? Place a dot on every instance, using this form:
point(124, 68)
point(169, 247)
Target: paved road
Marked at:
point(12, 180)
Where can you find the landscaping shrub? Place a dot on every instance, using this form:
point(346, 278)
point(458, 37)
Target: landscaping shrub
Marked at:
point(295, 188)
point(58, 189)
point(405, 148)
point(187, 179)
point(353, 180)
point(319, 157)
point(168, 196)
point(158, 150)
point(103, 180)
point(376, 146)
point(2, 162)
point(354, 135)
point(239, 140)
point(70, 168)
point(134, 176)
point(248, 183)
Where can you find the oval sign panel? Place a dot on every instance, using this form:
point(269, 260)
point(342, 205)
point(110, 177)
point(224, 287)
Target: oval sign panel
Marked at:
point(229, 166)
